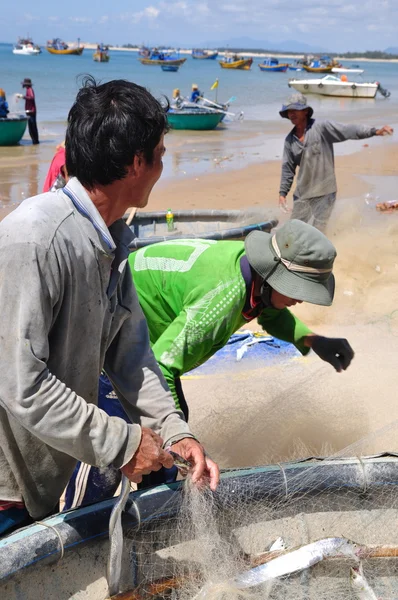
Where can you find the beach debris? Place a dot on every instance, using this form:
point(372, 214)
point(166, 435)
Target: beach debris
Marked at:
point(378, 269)
point(388, 206)
point(348, 293)
point(279, 544)
point(359, 584)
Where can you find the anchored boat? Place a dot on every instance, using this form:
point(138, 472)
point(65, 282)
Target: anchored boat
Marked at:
point(234, 61)
point(101, 54)
point(12, 129)
point(273, 65)
point(200, 54)
point(57, 46)
point(162, 57)
point(330, 85)
point(26, 47)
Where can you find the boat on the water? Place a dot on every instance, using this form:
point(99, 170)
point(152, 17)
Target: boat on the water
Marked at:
point(297, 65)
point(65, 556)
point(194, 117)
point(322, 64)
point(12, 129)
point(57, 46)
point(273, 65)
point(200, 54)
point(101, 54)
point(330, 85)
point(347, 70)
point(162, 57)
point(170, 68)
point(26, 47)
point(234, 61)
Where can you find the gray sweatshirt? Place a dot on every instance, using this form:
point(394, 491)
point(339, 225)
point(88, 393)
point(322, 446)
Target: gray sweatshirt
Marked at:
point(315, 157)
point(69, 308)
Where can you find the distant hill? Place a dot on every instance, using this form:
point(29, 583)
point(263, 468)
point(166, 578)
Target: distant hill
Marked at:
point(391, 50)
point(251, 44)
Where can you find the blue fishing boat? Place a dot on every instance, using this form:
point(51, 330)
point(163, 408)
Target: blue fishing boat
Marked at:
point(273, 64)
point(201, 54)
point(297, 65)
point(161, 57)
point(171, 68)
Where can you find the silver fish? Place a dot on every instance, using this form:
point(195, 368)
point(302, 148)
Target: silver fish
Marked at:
point(114, 566)
point(290, 562)
point(181, 463)
point(359, 584)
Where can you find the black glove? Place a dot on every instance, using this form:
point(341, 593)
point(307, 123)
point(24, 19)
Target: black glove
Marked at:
point(336, 351)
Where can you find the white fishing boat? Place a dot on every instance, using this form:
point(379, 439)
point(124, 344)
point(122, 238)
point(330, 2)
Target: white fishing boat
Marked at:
point(330, 85)
point(26, 47)
point(346, 70)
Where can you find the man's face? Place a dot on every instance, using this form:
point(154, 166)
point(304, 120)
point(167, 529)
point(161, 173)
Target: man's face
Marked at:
point(298, 117)
point(144, 176)
point(280, 301)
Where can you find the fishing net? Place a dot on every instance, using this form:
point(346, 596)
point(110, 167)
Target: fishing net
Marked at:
point(197, 548)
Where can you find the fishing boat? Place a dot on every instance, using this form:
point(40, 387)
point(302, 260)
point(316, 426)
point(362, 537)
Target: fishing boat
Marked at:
point(200, 54)
point(273, 65)
point(234, 61)
point(347, 70)
point(144, 51)
point(65, 556)
point(170, 68)
point(323, 64)
point(101, 54)
point(12, 129)
point(194, 117)
point(330, 85)
point(151, 227)
point(161, 57)
point(26, 47)
point(297, 65)
point(57, 46)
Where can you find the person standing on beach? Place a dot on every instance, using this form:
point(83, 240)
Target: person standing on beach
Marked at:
point(30, 109)
point(70, 309)
point(309, 146)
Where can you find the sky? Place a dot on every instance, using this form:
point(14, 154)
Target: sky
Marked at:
point(334, 25)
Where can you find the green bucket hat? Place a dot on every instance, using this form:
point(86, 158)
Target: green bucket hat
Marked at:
point(296, 260)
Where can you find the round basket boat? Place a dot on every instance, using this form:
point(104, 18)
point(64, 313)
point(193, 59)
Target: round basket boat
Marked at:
point(12, 129)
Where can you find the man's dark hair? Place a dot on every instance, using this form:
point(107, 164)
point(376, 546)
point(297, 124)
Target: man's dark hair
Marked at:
point(108, 125)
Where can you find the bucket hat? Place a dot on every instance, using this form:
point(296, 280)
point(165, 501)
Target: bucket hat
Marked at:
point(295, 102)
point(27, 81)
point(296, 260)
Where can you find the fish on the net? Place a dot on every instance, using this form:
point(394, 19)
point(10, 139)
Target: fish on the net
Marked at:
point(290, 562)
point(360, 585)
point(114, 566)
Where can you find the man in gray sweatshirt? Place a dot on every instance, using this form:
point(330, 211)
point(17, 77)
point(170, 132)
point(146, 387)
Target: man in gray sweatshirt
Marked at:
point(70, 309)
point(309, 146)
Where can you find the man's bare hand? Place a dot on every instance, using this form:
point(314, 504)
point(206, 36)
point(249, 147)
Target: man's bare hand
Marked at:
point(205, 471)
point(149, 457)
point(386, 130)
point(283, 204)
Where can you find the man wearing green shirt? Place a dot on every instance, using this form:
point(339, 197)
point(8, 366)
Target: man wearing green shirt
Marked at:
point(196, 293)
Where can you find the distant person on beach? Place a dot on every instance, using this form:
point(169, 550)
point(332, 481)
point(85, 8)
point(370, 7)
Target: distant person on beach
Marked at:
point(195, 94)
point(70, 309)
point(30, 109)
point(196, 293)
point(309, 146)
point(57, 176)
point(3, 105)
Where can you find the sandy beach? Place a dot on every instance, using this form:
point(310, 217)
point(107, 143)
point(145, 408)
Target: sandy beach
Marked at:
point(303, 407)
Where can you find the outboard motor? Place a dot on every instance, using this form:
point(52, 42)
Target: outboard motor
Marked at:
point(383, 90)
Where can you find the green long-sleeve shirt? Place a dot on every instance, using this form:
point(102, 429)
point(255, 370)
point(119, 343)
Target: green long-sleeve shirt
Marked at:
point(192, 293)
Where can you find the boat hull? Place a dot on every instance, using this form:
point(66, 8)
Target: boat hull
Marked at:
point(12, 130)
point(100, 57)
point(33, 52)
point(150, 61)
point(199, 121)
point(338, 89)
point(243, 65)
point(72, 51)
point(211, 56)
point(170, 68)
point(327, 69)
point(276, 68)
point(32, 567)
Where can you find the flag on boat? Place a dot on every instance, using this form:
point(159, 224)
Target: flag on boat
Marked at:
point(215, 85)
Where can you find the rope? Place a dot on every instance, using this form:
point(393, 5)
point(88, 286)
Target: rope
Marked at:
point(58, 536)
